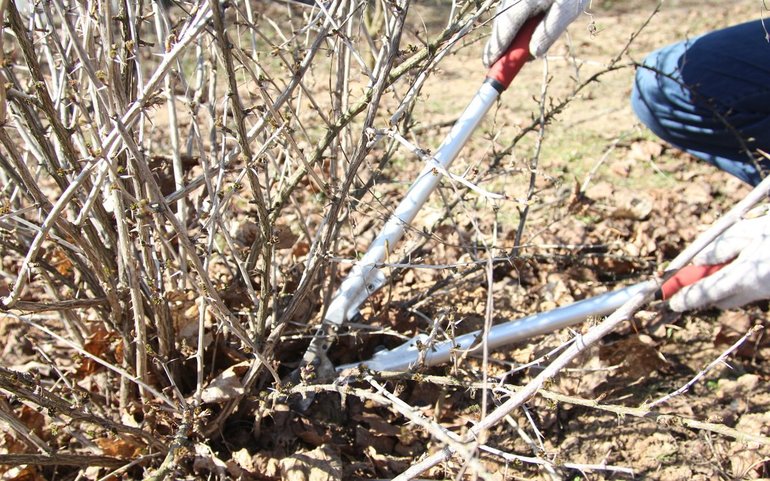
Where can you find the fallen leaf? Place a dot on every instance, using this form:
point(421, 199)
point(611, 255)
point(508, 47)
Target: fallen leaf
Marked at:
point(245, 233)
point(97, 344)
point(59, 260)
point(636, 357)
point(387, 464)
point(377, 423)
point(123, 448)
point(320, 464)
point(635, 207)
point(226, 386)
point(732, 326)
point(22, 473)
point(268, 466)
point(300, 249)
point(371, 438)
point(206, 460)
point(34, 420)
point(243, 459)
point(244, 466)
point(285, 238)
point(645, 150)
point(11, 444)
point(309, 432)
point(600, 191)
point(698, 193)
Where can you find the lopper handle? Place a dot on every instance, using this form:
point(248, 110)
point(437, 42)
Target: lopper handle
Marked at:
point(506, 67)
point(686, 276)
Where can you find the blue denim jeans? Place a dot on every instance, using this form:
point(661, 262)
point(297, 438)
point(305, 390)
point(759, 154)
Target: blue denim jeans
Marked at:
point(710, 96)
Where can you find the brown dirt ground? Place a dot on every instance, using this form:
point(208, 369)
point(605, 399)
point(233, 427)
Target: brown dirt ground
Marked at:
point(643, 204)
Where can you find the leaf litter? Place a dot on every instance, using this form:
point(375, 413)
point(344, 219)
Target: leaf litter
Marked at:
point(611, 234)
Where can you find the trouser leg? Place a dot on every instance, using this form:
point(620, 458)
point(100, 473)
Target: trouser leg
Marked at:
point(710, 96)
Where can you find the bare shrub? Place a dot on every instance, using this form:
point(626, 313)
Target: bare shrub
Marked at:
point(179, 180)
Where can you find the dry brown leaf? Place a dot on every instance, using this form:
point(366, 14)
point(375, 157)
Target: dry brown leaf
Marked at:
point(34, 420)
point(300, 249)
point(246, 232)
point(185, 314)
point(93, 473)
point(635, 207)
point(97, 344)
point(637, 356)
point(244, 460)
point(22, 473)
point(371, 438)
point(600, 191)
point(387, 463)
point(645, 150)
point(748, 460)
point(122, 448)
point(129, 420)
point(59, 260)
point(285, 238)
point(587, 380)
point(267, 465)
point(377, 423)
point(698, 193)
point(227, 385)
point(187, 321)
point(207, 461)
point(309, 432)
point(320, 464)
point(732, 326)
point(11, 444)
point(623, 168)
point(117, 352)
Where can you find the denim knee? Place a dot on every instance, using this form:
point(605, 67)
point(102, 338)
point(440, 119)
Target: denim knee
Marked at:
point(710, 96)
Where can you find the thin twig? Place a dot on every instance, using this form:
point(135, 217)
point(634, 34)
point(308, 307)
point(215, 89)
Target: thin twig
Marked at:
point(62, 459)
point(719, 360)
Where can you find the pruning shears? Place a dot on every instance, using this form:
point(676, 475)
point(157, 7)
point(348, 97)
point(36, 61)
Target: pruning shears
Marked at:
point(365, 277)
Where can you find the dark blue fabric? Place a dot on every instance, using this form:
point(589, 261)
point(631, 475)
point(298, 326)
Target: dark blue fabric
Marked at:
point(710, 96)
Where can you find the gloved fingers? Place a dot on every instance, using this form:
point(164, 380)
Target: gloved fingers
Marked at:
point(556, 21)
point(734, 240)
point(740, 298)
point(753, 267)
point(718, 287)
point(510, 16)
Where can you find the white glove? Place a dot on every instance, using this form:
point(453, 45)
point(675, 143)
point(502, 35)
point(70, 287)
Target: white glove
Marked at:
point(511, 15)
point(745, 279)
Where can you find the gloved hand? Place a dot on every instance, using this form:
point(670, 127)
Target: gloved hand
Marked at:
point(511, 15)
point(745, 279)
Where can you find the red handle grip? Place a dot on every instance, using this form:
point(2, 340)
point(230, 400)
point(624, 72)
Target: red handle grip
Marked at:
point(506, 67)
point(686, 276)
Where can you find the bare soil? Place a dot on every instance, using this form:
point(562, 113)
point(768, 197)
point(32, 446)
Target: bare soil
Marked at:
point(613, 205)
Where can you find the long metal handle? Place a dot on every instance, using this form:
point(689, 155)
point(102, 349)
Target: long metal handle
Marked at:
point(364, 278)
point(408, 354)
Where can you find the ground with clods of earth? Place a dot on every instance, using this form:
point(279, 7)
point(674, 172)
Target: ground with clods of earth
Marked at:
point(611, 206)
